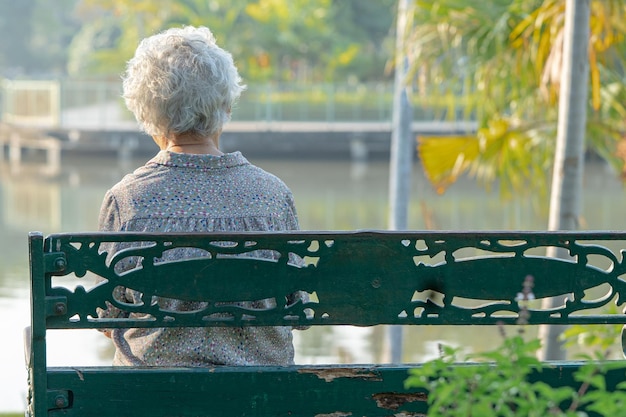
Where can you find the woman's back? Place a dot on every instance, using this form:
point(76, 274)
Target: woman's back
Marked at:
point(187, 192)
point(198, 193)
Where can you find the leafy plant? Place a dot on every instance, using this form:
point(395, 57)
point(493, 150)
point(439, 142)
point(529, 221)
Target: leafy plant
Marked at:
point(502, 382)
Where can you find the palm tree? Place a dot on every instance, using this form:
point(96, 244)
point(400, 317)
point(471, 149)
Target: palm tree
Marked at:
point(523, 59)
point(401, 160)
point(501, 59)
point(569, 155)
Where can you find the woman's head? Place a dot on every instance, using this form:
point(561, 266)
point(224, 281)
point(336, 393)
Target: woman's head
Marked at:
point(181, 82)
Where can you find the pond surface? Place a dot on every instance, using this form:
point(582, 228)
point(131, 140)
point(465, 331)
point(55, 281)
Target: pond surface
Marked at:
point(334, 195)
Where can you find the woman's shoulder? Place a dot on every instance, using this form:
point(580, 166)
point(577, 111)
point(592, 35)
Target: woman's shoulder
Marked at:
point(260, 176)
point(134, 180)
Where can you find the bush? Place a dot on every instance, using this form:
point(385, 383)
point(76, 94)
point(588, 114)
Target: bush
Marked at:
point(497, 382)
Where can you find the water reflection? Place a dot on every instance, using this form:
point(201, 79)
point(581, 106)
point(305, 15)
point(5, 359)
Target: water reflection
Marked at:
point(329, 195)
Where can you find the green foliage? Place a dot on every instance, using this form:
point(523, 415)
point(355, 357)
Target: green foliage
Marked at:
point(499, 382)
point(515, 156)
point(499, 388)
point(271, 40)
point(593, 339)
point(505, 57)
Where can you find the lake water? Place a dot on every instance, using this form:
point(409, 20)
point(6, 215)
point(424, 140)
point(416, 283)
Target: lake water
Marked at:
point(335, 195)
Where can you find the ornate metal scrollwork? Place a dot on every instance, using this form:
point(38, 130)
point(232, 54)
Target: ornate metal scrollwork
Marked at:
point(361, 278)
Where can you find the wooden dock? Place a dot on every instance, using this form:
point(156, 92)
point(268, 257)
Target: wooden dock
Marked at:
point(357, 141)
point(14, 142)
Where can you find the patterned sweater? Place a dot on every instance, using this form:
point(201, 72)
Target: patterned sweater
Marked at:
point(177, 192)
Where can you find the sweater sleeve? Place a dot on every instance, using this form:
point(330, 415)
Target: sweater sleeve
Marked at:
point(292, 222)
point(109, 221)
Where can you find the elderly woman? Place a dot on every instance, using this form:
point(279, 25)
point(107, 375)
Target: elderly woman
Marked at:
point(182, 86)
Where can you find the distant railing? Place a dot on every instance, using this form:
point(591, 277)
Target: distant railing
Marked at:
point(98, 103)
point(33, 102)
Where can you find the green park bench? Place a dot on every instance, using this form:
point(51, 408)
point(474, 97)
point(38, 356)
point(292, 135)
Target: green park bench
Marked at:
point(361, 278)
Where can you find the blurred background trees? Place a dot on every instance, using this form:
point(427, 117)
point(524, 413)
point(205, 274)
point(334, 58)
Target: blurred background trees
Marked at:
point(502, 59)
point(36, 35)
point(271, 40)
point(497, 60)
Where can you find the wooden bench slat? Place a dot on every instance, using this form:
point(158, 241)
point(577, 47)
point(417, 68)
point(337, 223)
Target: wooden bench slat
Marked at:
point(233, 391)
point(254, 391)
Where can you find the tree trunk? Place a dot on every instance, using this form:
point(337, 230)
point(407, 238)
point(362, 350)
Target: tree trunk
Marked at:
point(565, 199)
point(402, 149)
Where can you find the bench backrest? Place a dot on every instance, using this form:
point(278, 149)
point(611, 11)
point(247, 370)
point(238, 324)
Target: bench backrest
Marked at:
point(359, 278)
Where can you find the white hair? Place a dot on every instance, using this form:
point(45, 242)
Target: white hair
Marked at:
point(180, 81)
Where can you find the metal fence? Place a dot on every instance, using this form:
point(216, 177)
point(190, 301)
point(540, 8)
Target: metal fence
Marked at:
point(98, 104)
